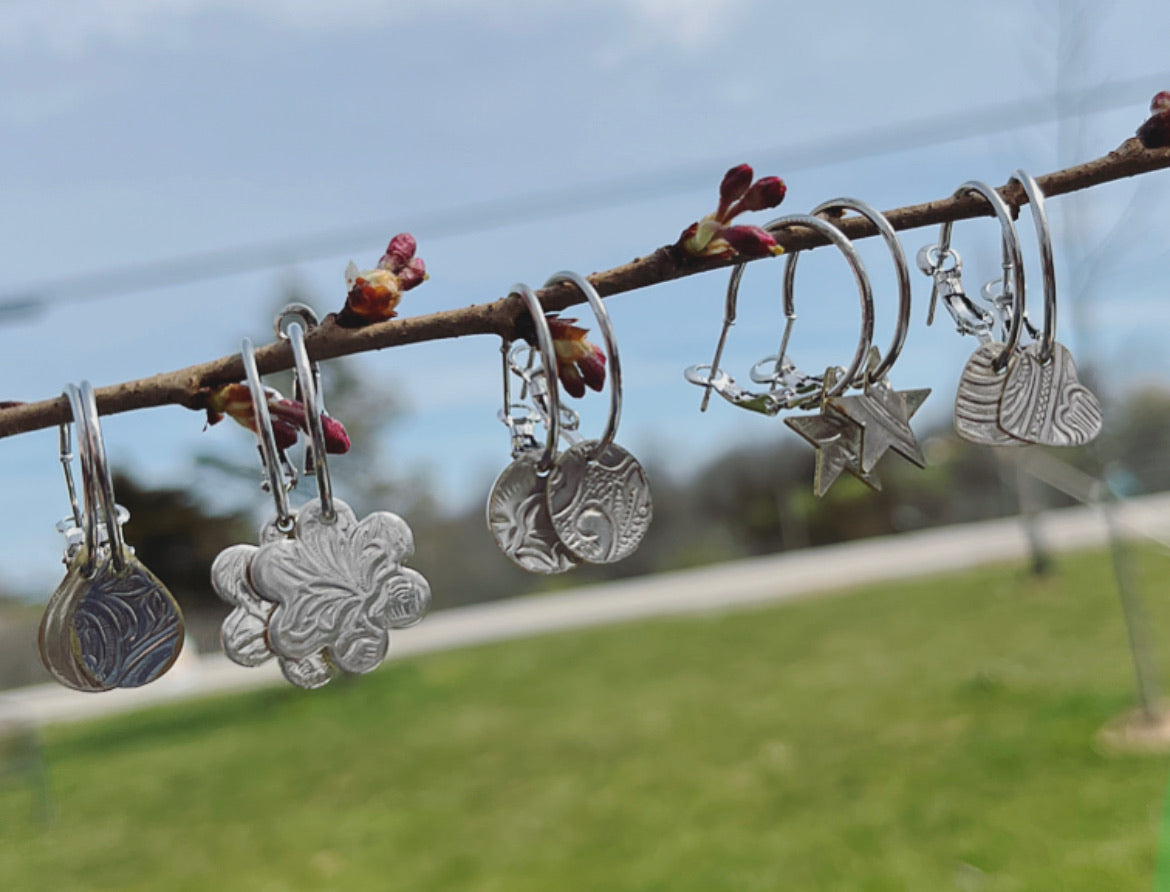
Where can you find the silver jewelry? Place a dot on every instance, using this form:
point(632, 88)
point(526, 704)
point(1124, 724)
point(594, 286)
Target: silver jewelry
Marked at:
point(598, 496)
point(1043, 400)
point(111, 622)
point(517, 508)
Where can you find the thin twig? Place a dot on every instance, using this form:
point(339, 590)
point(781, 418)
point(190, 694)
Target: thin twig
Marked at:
point(508, 319)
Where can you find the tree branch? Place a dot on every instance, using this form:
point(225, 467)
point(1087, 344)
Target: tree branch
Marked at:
point(508, 319)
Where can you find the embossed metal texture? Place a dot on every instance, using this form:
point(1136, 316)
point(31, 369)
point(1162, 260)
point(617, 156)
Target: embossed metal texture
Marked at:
point(599, 502)
point(837, 441)
point(244, 632)
point(55, 639)
point(1045, 402)
point(340, 586)
point(883, 414)
point(978, 396)
point(518, 519)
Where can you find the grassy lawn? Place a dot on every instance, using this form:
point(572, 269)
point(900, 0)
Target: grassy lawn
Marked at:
point(932, 735)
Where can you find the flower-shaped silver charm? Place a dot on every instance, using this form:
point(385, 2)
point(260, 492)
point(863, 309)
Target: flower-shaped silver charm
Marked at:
point(245, 630)
point(339, 586)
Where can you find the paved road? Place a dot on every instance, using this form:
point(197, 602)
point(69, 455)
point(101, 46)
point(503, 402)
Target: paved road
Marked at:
point(743, 584)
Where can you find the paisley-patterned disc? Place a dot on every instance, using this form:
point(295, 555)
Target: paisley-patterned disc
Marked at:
point(600, 505)
point(517, 516)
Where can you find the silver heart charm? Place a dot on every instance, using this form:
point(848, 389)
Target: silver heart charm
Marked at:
point(244, 632)
point(339, 586)
point(599, 505)
point(1046, 403)
point(977, 400)
point(518, 519)
point(115, 629)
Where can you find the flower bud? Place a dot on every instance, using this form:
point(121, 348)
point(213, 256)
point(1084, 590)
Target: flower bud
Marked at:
point(1155, 132)
point(750, 241)
point(414, 273)
point(764, 193)
point(1161, 102)
point(398, 252)
point(735, 182)
point(580, 363)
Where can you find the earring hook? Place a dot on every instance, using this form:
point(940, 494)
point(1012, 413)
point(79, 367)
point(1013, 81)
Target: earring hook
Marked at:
point(607, 333)
point(1013, 263)
point(901, 268)
point(97, 485)
point(266, 437)
point(1047, 263)
point(838, 238)
point(308, 378)
point(544, 341)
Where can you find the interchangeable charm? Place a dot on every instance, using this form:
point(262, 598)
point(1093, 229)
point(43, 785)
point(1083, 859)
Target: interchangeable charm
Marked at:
point(598, 496)
point(322, 590)
point(111, 623)
point(1043, 400)
point(882, 413)
point(517, 508)
point(981, 385)
point(838, 441)
point(838, 445)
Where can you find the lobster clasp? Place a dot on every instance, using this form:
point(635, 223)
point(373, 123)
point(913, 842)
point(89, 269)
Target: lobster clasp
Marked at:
point(948, 285)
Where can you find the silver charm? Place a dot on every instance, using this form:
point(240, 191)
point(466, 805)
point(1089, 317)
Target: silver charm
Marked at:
point(977, 399)
point(519, 521)
point(111, 623)
point(245, 630)
point(883, 414)
point(599, 502)
point(1043, 400)
point(837, 441)
point(1045, 403)
point(598, 496)
point(339, 586)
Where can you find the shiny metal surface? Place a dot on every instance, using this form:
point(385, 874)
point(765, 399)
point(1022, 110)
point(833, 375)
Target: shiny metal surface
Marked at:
point(519, 521)
point(599, 502)
point(977, 399)
point(1045, 402)
point(838, 446)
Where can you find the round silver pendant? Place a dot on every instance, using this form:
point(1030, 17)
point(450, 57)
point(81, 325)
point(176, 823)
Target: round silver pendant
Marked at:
point(599, 504)
point(517, 516)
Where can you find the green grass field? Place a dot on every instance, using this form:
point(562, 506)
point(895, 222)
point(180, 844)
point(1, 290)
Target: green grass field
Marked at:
point(932, 735)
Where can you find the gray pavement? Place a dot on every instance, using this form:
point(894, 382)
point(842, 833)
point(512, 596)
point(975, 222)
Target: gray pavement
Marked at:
point(739, 585)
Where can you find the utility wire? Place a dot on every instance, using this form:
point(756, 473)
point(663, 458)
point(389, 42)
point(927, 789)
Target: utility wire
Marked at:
point(497, 213)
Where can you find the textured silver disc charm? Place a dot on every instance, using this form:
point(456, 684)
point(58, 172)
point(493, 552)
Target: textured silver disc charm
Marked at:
point(1046, 403)
point(977, 400)
point(116, 629)
point(339, 586)
point(518, 519)
point(599, 504)
point(244, 632)
point(837, 441)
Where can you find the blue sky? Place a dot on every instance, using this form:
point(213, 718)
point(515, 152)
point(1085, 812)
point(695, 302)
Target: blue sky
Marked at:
point(134, 132)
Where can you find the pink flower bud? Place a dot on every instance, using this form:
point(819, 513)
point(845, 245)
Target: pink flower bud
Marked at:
point(579, 362)
point(735, 183)
point(750, 241)
point(764, 193)
point(1155, 132)
point(414, 273)
point(398, 252)
point(336, 436)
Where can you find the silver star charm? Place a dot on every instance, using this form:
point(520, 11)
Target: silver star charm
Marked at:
point(883, 415)
point(838, 444)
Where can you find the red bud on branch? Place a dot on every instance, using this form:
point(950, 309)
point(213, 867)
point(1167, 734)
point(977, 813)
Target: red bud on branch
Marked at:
point(288, 417)
point(580, 363)
point(713, 236)
point(1155, 132)
point(373, 294)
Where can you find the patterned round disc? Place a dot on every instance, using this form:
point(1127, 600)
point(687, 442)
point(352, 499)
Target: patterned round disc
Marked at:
point(599, 504)
point(517, 516)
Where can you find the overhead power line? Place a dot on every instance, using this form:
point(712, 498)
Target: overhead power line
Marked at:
point(496, 213)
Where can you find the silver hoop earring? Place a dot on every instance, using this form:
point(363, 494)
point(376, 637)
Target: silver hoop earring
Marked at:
point(111, 623)
point(517, 507)
point(1043, 399)
point(598, 496)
